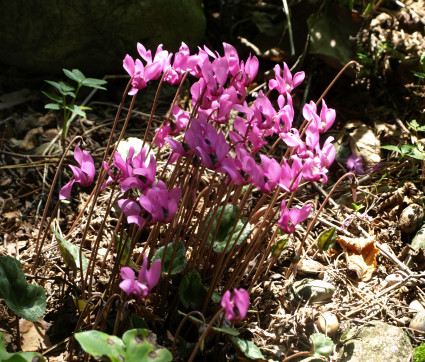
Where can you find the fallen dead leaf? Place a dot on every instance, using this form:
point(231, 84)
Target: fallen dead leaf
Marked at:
point(365, 144)
point(360, 254)
point(34, 337)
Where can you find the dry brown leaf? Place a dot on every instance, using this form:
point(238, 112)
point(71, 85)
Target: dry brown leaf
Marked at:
point(361, 255)
point(365, 144)
point(34, 337)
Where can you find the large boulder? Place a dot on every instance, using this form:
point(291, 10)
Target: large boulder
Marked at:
point(44, 36)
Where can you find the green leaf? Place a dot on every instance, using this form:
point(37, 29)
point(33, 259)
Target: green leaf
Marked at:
point(94, 83)
point(124, 254)
point(192, 293)
point(26, 300)
point(137, 321)
point(140, 348)
point(18, 356)
point(248, 348)
point(419, 75)
point(54, 84)
point(225, 330)
point(70, 253)
point(322, 345)
point(392, 148)
point(280, 245)
point(100, 344)
point(179, 262)
point(225, 227)
point(77, 110)
point(412, 151)
point(54, 106)
point(135, 345)
point(75, 75)
point(53, 97)
point(327, 239)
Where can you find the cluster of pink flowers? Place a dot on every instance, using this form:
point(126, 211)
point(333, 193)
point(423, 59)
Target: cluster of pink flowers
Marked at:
point(221, 88)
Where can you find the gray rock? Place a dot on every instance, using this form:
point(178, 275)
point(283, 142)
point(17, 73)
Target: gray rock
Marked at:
point(44, 36)
point(378, 342)
point(312, 290)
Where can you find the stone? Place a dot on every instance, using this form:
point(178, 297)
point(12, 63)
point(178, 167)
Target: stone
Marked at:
point(312, 290)
point(328, 323)
point(418, 321)
point(378, 342)
point(45, 36)
point(411, 218)
point(416, 306)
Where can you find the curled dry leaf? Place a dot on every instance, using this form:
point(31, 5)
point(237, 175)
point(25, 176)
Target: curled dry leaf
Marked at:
point(360, 254)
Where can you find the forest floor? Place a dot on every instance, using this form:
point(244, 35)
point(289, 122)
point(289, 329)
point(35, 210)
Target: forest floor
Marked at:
point(374, 271)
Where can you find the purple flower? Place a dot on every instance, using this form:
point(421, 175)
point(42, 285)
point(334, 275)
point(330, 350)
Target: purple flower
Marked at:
point(84, 174)
point(286, 83)
point(235, 306)
point(156, 204)
point(290, 218)
point(355, 164)
point(146, 279)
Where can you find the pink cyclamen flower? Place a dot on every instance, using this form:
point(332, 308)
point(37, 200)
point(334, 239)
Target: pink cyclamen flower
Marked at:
point(84, 174)
point(286, 83)
point(235, 306)
point(290, 218)
point(146, 279)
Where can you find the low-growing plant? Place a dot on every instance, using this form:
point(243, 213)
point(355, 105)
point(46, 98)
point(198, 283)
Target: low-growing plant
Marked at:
point(67, 97)
point(196, 240)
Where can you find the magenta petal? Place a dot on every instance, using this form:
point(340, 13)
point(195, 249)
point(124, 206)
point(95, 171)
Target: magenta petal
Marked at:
point(154, 274)
point(65, 191)
point(127, 273)
point(241, 300)
point(128, 65)
point(299, 215)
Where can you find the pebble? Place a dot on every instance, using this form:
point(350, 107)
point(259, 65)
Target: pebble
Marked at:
point(312, 267)
point(416, 306)
point(411, 218)
point(328, 323)
point(418, 322)
point(312, 290)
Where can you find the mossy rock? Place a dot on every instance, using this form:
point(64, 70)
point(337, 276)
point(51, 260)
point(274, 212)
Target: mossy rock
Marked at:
point(378, 342)
point(44, 36)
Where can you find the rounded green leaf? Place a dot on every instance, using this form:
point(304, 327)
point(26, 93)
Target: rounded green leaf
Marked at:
point(322, 345)
point(179, 261)
point(26, 300)
point(100, 344)
point(248, 348)
point(192, 293)
point(141, 346)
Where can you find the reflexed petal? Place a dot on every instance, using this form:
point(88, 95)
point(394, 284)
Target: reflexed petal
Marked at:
point(65, 191)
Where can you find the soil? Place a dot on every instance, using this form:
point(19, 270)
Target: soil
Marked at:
point(374, 108)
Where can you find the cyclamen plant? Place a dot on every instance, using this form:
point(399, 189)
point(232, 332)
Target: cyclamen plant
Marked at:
point(224, 137)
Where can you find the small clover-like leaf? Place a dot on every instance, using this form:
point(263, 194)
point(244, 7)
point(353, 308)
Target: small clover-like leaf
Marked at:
point(53, 97)
point(327, 239)
point(53, 106)
point(77, 110)
point(322, 345)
